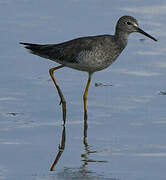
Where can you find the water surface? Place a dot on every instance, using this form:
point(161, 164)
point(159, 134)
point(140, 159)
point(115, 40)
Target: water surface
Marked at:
point(126, 113)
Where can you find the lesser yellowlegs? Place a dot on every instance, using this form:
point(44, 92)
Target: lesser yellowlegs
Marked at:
point(90, 54)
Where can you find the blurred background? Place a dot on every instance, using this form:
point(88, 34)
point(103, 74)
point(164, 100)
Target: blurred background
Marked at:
point(126, 112)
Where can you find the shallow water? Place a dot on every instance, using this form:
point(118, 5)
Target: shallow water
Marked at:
point(126, 112)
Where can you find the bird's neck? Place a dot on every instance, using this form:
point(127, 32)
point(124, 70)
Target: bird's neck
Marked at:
point(121, 37)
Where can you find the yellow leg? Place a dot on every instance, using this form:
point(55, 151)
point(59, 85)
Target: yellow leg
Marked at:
point(62, 99)
point(85, 97)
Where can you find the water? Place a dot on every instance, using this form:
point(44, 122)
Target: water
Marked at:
point(126, 113)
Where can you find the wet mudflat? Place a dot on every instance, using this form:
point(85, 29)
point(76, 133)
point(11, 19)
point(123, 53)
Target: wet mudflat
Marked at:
point(126, 111)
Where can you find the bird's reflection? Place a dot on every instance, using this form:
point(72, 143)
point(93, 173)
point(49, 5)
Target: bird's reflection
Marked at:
point(61, 149)
point(87, 149)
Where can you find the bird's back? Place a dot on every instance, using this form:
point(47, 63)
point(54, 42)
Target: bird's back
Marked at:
point(103, 49)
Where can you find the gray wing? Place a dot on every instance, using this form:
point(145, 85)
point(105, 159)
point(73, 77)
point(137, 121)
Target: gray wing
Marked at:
point(67, 51)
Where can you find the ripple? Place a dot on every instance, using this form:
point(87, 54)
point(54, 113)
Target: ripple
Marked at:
point(153, 53)
point(3, 171)
point(7, 142)
point(150, 154)
point(154, 10)
point(8, 99)
point(136, 73)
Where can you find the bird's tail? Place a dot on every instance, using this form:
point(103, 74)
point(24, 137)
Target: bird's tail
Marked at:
point(32, 47)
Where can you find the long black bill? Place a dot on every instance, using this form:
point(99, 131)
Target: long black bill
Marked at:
point(146, 34)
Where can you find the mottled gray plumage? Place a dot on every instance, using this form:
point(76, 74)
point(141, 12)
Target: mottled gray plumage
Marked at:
point(92, 53)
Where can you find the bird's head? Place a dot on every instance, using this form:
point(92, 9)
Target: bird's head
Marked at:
point(128, 24)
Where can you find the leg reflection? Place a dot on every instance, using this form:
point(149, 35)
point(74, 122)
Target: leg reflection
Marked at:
point(86, 146)
point(61, 149)
point(87, 149)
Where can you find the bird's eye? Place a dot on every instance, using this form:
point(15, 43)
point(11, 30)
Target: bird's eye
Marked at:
point(129, 23)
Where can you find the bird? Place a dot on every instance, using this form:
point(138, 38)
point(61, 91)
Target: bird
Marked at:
point(89, 54)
